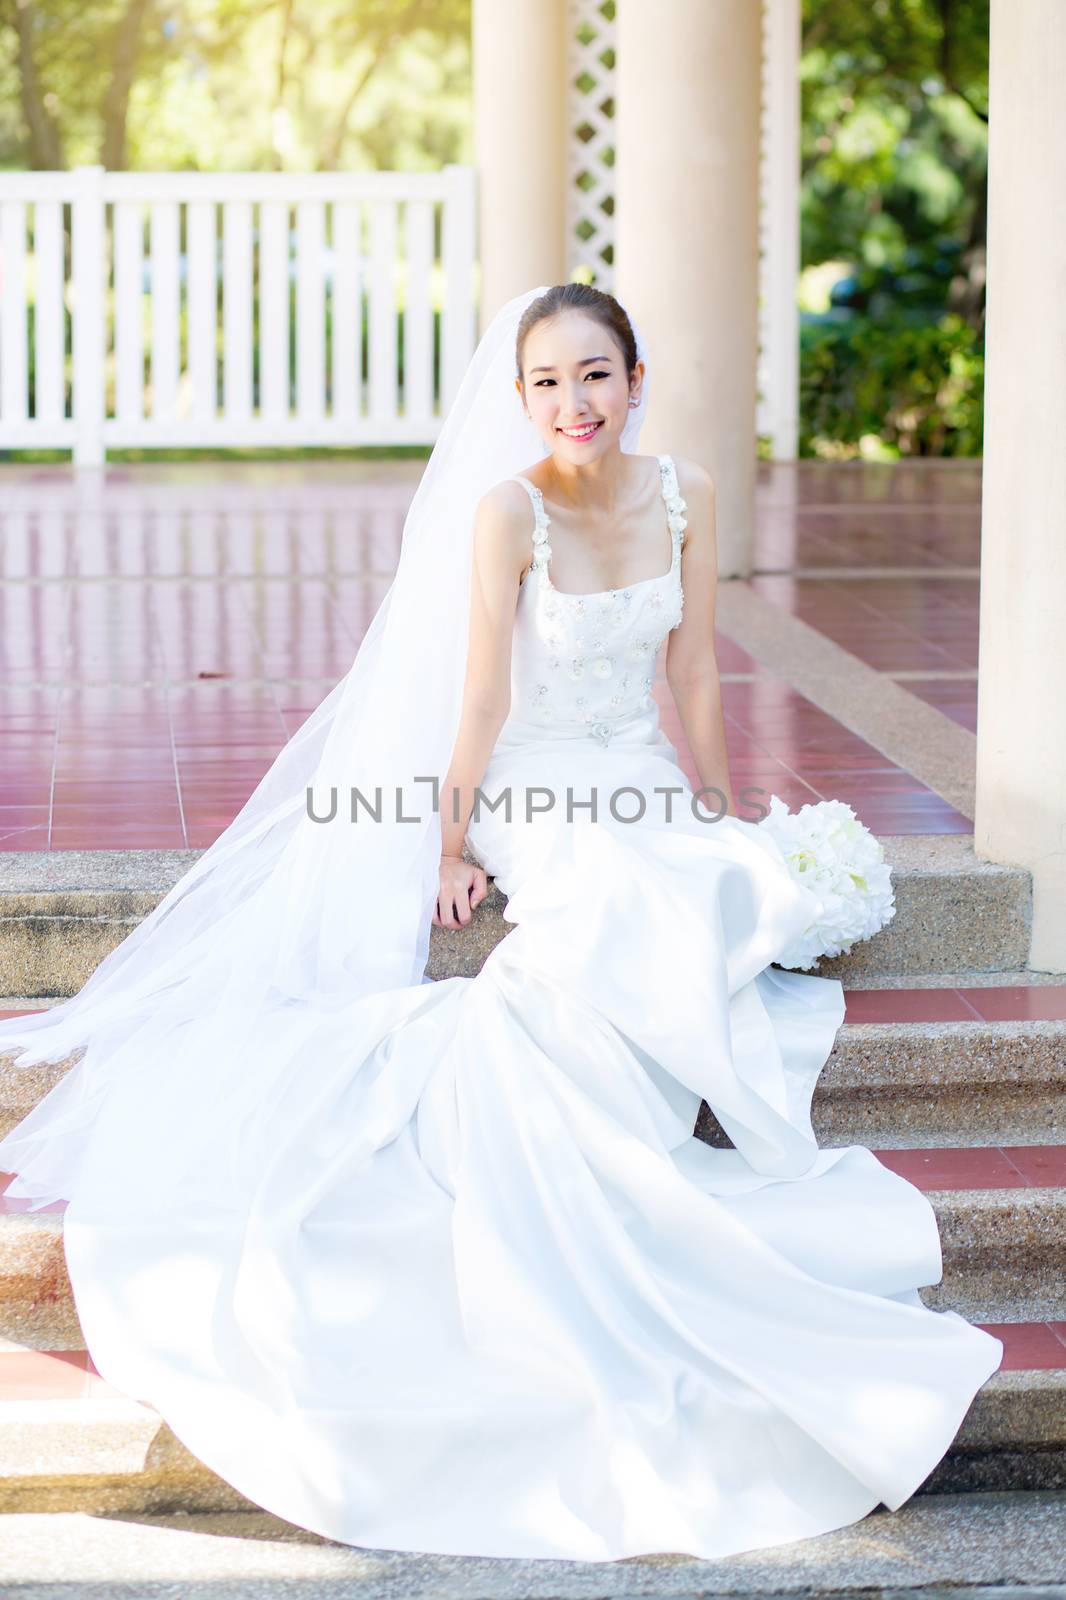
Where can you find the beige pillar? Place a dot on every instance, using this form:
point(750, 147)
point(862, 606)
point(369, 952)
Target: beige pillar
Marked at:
point(519, 66)
point(686, 235)
point(1020, 815)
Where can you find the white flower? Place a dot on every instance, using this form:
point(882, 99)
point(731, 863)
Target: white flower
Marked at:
point(829, 852)
point(638, 650)
point(540, 535)
point(603, 666)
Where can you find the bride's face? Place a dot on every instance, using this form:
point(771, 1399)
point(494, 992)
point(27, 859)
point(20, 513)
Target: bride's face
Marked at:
point(577, 391)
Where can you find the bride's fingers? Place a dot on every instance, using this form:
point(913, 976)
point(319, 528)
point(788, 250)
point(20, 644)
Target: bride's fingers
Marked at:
point(456, 909)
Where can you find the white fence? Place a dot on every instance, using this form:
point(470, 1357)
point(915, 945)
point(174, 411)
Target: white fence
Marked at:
point(232, 309)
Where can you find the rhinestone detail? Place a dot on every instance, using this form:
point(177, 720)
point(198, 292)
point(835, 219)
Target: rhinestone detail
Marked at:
point(604, 644)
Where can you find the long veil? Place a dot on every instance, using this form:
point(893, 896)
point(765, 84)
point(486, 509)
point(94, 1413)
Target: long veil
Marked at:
point(283, 910)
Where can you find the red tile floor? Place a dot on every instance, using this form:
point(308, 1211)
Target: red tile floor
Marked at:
point(164, 630)
point(883, 559)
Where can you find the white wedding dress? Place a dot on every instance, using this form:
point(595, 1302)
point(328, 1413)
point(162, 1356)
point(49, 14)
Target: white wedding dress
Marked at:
point(445, 1269)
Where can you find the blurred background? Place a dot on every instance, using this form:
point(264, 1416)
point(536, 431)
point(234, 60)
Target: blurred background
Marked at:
point(893, 100)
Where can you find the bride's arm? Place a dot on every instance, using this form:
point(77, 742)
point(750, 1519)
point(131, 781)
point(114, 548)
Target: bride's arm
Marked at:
point(501, 550)
point(691, 667)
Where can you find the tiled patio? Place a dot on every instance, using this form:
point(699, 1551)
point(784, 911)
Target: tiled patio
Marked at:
point(166, 628)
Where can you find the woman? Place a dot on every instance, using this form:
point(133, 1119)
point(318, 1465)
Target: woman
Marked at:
point(441, 1266)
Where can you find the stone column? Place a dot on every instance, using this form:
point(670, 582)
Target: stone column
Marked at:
point(519, 66)
point(686, 236)
point(1020, 813)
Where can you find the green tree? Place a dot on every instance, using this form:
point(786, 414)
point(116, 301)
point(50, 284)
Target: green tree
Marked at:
point(299, 84)
point(894, 97)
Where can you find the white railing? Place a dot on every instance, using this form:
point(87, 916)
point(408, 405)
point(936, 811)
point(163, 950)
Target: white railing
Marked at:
point(182, 309)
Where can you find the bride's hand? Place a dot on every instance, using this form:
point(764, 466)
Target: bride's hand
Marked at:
point(462, 889)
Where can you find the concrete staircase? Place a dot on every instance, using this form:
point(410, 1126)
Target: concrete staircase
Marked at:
point(61, 912)
point(964, 1096)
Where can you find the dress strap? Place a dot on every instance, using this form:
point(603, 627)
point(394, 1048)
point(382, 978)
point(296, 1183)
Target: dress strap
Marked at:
point(675, 506)
point(541, 520)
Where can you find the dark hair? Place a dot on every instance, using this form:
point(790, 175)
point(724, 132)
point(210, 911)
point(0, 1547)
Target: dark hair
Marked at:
point(579, 297)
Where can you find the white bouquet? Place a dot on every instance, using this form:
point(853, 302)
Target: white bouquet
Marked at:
point(829, 851)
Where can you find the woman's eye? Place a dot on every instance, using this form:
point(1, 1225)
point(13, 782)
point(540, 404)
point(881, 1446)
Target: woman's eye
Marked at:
point(541, 381)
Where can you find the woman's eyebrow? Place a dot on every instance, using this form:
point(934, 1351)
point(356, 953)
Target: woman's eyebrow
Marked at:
point(586, 363)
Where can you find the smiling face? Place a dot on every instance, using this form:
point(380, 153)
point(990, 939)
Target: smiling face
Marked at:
point(576, 388)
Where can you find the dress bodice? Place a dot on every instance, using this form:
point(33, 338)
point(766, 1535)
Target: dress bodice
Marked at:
point(583, 665)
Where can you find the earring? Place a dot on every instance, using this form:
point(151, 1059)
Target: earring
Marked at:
point(633, 403)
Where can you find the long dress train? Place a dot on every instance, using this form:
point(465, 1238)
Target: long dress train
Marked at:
point(445, 1269)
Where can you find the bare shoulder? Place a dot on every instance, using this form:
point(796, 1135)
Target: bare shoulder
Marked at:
point(503, 526)
point(506, 503)
point(506, 512)
point(692, 478)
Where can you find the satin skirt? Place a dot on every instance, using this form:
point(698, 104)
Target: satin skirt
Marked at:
point(445, 1269)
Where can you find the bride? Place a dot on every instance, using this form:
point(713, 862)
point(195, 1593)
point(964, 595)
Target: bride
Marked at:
point(440, 1266)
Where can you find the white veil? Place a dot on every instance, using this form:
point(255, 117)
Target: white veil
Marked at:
point(282, 910)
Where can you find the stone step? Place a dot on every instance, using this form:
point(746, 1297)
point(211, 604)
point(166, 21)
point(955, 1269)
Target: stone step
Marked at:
point(69, 1442)
point(1003, 1236)
point(954, 912)
point(887, 1084)
point(972, 1547)
point(990, 1546)
point(61, 912)
point(911, 1084)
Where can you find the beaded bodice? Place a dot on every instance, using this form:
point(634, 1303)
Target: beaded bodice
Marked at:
point(583, 665)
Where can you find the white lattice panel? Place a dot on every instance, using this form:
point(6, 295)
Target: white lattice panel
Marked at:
point(590, 110)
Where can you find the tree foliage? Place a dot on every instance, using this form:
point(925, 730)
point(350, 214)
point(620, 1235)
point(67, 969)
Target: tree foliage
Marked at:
point(894, 98)
point(250, 84)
